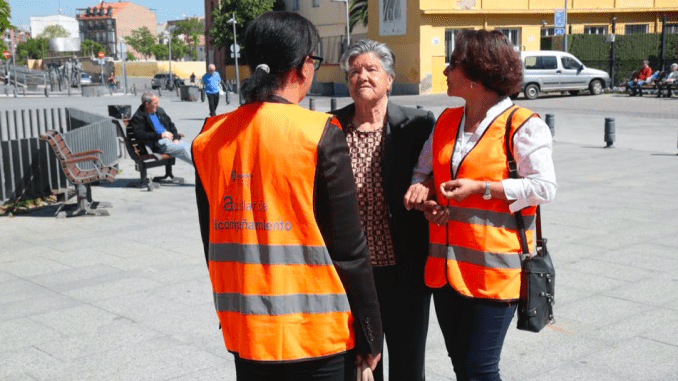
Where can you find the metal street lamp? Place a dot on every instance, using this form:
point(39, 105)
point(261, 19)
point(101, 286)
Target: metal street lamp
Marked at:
point(170, 84)
point(348, 30)
point(232, 21)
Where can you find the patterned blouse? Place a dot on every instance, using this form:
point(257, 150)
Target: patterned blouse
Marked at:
point(366, 149)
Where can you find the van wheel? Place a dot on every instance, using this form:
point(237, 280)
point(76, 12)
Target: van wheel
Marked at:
point(573, 92)
point(596, 87)
point(531, 91)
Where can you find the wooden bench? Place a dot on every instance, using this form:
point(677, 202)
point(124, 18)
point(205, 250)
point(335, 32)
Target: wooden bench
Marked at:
point(144, 158)
point(82, 179)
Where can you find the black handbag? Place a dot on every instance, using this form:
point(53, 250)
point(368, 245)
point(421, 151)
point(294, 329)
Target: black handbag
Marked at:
point(537, 279)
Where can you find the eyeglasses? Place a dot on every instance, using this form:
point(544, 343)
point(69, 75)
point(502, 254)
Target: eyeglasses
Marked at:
point(317, 61)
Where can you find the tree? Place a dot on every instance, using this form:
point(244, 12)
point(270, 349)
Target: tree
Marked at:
point(192, 28)
point(90, 47)
point(130, 56)
point(245, 11)
point(34, 48)
point(53, 31)
point(160, 51)
point(142, 41)
point(4, 15)
point(357, 14)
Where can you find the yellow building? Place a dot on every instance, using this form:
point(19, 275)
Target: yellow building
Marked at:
point(422, 33)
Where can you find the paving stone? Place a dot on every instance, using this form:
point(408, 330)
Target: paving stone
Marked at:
point(657, 290)
point(597, 311)
point(25, 361)
point(23, 332)
point(32, 266)
point(77, 320)
point(37, 305)
point(608, 269)
point(112, 289)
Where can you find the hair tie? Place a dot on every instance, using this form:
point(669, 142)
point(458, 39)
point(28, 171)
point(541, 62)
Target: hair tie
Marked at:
point(263, 67)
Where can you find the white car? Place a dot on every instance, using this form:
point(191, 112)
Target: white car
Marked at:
point(85, 79)
point(551, 70)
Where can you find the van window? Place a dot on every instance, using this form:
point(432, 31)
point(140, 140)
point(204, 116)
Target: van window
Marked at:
point(541, 63)
point(570, 63)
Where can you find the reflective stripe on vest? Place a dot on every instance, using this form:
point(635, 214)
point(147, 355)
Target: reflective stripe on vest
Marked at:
point(478, 251)
point(276, 291)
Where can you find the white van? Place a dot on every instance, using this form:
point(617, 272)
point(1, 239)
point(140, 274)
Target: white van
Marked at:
point(551, 70)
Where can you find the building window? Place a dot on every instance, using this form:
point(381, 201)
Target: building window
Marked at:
point(316, 3)
point(548, 31)
point(671, 28)
point(595, 29)
point(635, 28)
point(295, 5)
point(513, 34)
point(450, 35)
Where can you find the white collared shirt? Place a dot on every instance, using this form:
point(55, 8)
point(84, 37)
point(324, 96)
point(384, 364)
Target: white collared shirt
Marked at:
point(532, 147)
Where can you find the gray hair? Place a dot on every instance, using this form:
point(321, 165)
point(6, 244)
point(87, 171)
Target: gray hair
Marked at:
point(674, 65)
point(211, 66)
point(147, 97)
point(383, 52)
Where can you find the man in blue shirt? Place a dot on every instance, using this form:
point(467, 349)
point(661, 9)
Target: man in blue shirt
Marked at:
point(154, 127)
point(211, 79)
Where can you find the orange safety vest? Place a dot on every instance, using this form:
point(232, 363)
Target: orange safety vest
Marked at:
point(277, 293)
point(478, 251)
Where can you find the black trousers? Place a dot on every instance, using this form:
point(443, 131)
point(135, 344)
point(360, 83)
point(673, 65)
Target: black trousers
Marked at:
point(333, 368)
point(213, 100)
point(474, 330)
point(404, 318)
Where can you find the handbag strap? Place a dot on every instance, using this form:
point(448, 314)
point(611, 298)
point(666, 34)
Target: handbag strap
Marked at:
point(513, 173)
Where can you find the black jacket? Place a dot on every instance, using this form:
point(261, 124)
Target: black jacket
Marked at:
point(336, 212)
point(143, 127)
point(407, 130)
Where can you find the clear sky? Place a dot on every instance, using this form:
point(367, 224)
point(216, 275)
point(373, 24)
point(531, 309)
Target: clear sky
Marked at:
point(21, 10)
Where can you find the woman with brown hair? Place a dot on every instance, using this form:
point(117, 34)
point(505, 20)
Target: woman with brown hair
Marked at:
point(474, 262)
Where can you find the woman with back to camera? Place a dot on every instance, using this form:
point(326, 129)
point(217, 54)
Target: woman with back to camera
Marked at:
point(385, 141)
point(474, 262)
point(279, 220)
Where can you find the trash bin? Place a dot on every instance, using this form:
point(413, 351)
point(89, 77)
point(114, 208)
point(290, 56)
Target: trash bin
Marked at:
point(189, 93)
point(120, 111)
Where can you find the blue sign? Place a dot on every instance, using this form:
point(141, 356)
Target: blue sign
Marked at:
point(558, 31)
point(559, 18)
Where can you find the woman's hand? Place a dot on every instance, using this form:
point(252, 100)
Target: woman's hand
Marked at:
point(459, 189)
point(417, 194)
point(435, 213)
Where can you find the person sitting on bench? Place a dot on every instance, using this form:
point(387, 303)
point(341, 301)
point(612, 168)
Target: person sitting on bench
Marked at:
point(671, 79)
point(154, 127)
point(636, 84)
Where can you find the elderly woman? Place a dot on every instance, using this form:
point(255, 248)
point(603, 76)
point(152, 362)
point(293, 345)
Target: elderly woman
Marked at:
point(474, 263)
point(279, 220)
point(385, 141)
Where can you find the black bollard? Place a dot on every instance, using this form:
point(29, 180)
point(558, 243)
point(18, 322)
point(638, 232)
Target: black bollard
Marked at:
point(46, 92)
point(202, 95)
point(159, 95)
point(311, 104)
point(551, 122)
point(134, 89)
point(609, 132)
point(228, 97)
point(333, 104)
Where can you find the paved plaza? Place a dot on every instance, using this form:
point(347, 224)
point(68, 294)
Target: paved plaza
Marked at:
point(127, 297)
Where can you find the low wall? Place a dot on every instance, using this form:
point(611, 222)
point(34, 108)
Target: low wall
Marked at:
point(183, 69)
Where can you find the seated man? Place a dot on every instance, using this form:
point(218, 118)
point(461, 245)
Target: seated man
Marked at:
point(154, 127)
point(636, 84)
point(669, 80)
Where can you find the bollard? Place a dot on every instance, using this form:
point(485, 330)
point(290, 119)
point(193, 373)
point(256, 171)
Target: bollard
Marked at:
point(6, 91)
point(609, 132)
point(159, 95)
point(69, 90)
point(46, 92)
point(15, 94)
point(228, 97)
point(333, 104)
point(134, 89)
point(551, 122)
point(202, 95)
point(23, 89)
point(311, 104)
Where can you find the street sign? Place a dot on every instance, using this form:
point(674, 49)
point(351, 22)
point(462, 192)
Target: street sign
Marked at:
point(559, 18)
point(100, 54)
point(558, 31)
point(6, 53)
point(235, 48)
point(232, 55)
